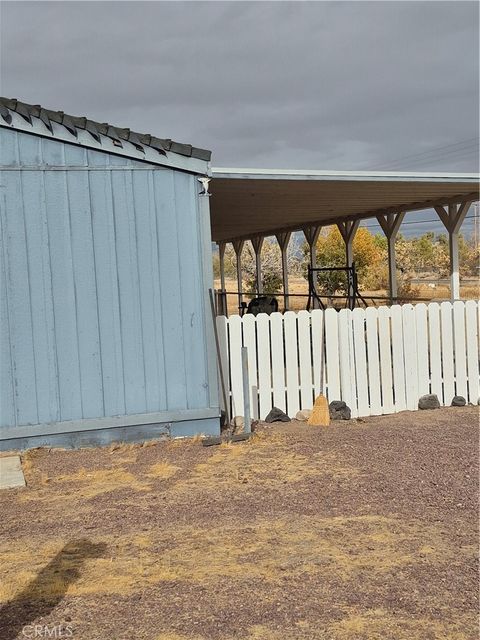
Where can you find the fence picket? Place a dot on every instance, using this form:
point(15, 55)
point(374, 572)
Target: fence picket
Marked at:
point(358, 318)
point(347, 368)
point(305, 360)
point(332, 368)
point(410, 356)
point(385, 359)
point(222, 329)
point(422, 349)
point(291, 362)
point(398, 359)
point(278, 361)
point(317, 321)
point(250, 341)
point(447, 352)
point(472, 335)
point(377, 360)
point(264, 370)
point(371, 317)
point(460, 349)
point(435, 348)
point(235, 338)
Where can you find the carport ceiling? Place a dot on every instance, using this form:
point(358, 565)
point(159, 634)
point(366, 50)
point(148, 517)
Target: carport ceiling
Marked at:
point(249, 202)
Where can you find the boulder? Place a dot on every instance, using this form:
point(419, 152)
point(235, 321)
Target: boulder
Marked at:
point(339, 410)
point(277, 415)
point(458, 401)
point(429, 401)
point(304, 415)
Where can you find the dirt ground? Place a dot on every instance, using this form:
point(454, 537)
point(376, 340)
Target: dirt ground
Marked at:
point(365, 530)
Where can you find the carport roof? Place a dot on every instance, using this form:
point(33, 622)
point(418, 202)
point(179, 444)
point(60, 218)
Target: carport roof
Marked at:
point(250, 202)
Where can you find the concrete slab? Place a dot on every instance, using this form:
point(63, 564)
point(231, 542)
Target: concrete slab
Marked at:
point(11, 474)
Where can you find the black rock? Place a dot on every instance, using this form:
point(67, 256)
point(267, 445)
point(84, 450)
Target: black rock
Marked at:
point(458, 401)
point(277, 415)
point(339, 410)
point(429, 401)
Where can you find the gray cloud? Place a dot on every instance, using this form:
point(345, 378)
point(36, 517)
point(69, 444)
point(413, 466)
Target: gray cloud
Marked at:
point(324, 85)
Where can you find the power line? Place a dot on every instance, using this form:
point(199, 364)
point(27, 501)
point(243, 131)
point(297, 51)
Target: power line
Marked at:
point(456, 146)
point(415, 222)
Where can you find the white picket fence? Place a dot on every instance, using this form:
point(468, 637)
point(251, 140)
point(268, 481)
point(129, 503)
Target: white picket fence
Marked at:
point(378, 360)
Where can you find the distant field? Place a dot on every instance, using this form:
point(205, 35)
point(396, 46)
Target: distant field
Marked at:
point(441, 291)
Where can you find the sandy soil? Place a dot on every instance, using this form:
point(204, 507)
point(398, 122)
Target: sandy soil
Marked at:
point(365, 530)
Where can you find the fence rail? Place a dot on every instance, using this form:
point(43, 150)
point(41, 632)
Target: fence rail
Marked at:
point(379, 360)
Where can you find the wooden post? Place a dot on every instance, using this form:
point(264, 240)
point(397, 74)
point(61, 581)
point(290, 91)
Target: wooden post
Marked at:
point(283, 239)
point(257, 244)
point(238, 248)
point(348, 229)
point(311, 236)
point(453, 219)
point(221, 253)
point(390, 224)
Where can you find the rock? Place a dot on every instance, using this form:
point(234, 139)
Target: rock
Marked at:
point(429, 401)
point(238, 422)
point(277, 415)
point(304, 415)
point(339, 410)
point(458, 401)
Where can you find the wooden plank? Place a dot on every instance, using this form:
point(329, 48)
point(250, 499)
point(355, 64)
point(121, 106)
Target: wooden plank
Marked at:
point(305, 360)
point(398, 358)
point(291, 363)
point(359, 345)
point(250, 341)
point(83, 261)
point(410, 356)
point(235, 344)
point(435, 350)
point(278, 361)
point(317, 321)
point(385, 348)
point(472, 338)
point(347, 361)
point(460, 349)
point(423, 375)
point(264, 368)
point(373, 361)
point(170, 286)
point(332, 368)
point(447, 352)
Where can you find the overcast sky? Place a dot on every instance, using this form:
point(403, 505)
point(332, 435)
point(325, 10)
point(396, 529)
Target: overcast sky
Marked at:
point(324, 85)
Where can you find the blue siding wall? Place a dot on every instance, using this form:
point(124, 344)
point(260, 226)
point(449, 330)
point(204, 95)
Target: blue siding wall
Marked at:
point(102, 308)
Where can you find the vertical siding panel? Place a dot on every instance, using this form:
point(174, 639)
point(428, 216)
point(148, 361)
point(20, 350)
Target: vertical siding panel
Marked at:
point(374, 384)
point(360, 351)
point(148, 291)
point(332, 358)
point(174, 357)
point(398, 358)
point(191, 289)
point(460, 349)
point(250, 342)
point(435, 350)
point(46, 373)
point(85, 293)
point(7, 401)
point(278, 361)
point(63, 295)
point(103, 229)
point(447, 352)
point(264, 367)
point(422, 349)
point(385, 346)
point(132, 344)
point(291, 363)
point(18, 293)
point(347, 360)
point(410, 356)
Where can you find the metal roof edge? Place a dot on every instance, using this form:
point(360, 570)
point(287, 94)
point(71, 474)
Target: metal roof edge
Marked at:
point(315, 174)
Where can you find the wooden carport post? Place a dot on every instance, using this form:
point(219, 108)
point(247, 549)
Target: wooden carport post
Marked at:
point(348, 229)
point(221, 254)
point(238, 248)
point(311, 235)
point(283, 239)
point(452, 219)
point(257, 244)
point(390, 223)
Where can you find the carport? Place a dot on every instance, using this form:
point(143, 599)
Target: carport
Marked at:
point(252, 204)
